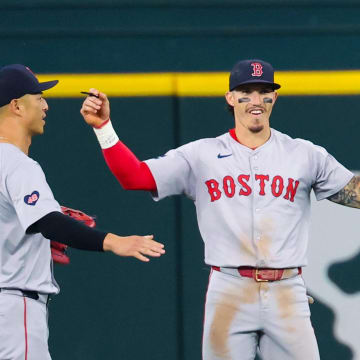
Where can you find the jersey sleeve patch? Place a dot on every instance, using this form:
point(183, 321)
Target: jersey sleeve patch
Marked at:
point(32, 198)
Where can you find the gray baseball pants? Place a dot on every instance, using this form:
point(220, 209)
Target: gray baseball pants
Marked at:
point(23, 327)
point(243, 316)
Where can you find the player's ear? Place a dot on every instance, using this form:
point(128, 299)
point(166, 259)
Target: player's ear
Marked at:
point(14, 106)
point(19, 106)
point(230, 99)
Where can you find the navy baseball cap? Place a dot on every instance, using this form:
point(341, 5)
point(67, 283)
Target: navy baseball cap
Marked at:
point(17, 80)
point(252, 71)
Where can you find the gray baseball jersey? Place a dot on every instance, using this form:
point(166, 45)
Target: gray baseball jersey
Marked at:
point(25, 197)
point(253, 206)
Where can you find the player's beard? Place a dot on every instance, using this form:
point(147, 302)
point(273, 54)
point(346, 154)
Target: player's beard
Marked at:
point(256, 128)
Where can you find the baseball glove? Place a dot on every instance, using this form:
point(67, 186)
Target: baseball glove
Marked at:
point(58, 250)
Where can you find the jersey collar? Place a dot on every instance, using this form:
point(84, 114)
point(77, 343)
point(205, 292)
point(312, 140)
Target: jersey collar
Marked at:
point(233, 135)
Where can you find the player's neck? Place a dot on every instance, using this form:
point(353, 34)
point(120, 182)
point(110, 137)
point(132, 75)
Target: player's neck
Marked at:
point(23, 146)
point(15, 137)
point(250, 139)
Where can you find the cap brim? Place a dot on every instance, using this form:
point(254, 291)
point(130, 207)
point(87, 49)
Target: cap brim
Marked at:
point(274, 85)
point(47, 85)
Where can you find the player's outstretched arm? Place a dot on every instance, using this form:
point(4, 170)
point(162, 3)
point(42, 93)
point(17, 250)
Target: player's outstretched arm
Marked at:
point(349, 195)
point(137, 246)
point(58, 227)
point(131, 173)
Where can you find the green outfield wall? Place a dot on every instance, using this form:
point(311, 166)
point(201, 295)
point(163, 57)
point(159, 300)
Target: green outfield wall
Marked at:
point(116, 308)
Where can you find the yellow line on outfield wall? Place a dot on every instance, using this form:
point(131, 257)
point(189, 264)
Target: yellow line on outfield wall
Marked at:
point(209, 84)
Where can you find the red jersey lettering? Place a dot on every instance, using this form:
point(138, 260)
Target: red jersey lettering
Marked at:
point(229, 186)
point(246, 189)
point(262, 179)
point(277, 185)
point(291, 190)
point(213, 189)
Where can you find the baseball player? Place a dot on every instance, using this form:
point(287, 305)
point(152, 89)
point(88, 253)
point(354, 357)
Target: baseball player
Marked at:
point(30, 216)
point(251, 188)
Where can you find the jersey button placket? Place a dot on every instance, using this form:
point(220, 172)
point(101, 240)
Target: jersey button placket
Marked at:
point(256, 167)
point(260, 261)
point(255, 208)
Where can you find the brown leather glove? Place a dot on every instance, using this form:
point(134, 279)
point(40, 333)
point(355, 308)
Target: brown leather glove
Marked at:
point(58, 250)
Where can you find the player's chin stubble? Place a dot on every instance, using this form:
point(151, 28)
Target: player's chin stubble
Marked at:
point(256, 128)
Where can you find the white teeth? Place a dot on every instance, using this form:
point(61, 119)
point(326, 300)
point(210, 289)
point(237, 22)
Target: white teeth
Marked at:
point(256, 112)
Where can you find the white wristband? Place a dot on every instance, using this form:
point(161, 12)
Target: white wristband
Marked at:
point(106, 136)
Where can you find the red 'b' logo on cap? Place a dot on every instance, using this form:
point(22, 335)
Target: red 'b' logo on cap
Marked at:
point(257, 69)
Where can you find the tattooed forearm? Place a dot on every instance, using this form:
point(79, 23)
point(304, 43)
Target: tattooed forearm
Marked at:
point(349, 195)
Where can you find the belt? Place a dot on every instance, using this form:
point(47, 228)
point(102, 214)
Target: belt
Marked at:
point(44, 298)
point(260, 275)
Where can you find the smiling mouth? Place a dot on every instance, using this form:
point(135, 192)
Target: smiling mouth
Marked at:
point(256, 112)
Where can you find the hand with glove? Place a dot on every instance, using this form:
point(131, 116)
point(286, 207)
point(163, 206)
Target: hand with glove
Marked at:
point(58, 250)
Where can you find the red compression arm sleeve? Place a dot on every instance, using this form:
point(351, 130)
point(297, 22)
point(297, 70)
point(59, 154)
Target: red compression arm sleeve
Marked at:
point(131, 173)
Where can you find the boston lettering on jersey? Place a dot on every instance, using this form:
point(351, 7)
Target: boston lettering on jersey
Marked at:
point(229, 186)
